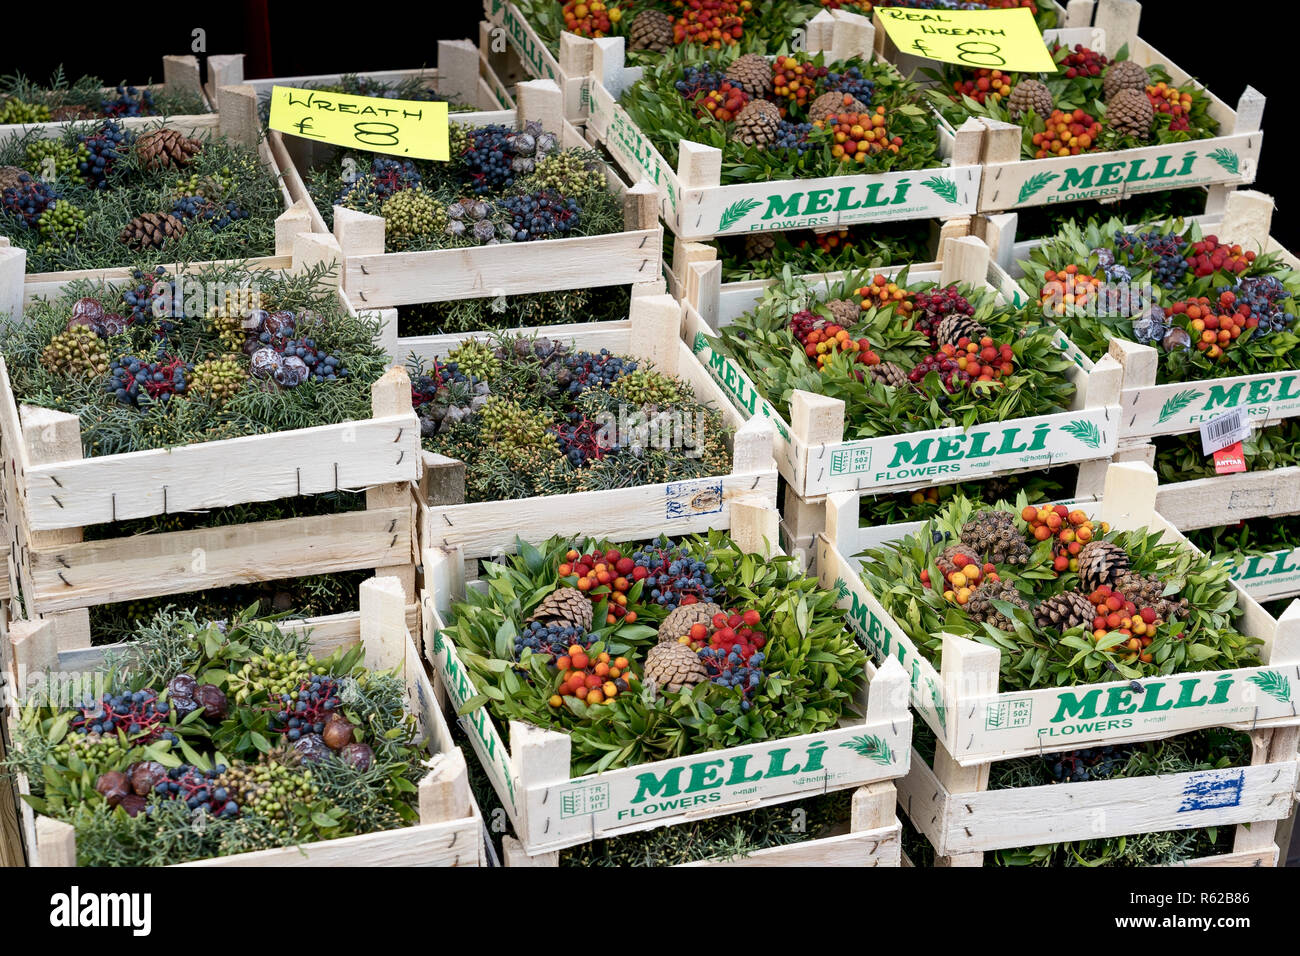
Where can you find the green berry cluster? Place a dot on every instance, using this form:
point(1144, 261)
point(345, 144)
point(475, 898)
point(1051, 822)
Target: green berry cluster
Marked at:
point(270, 788)
point(645, 386)
point(568, 174)
point(274, 673)
point(475, 358)
point(227, 318)
point(16, 111)
point(77, 351)
point(217, 379)
point(512, 426)
point(412, 214)
point(60, 223)
point(212, 185)
point(65, 156)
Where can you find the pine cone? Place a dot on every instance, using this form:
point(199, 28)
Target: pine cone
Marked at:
point(752, 73)
point(652, 30)
point(888, 373)
point(10, 177)
point(564, 604)
point(674, 666)
point(150, 230)
point(1101, 562)
point(955, 326)
point(1149, 591)
point(1130, 113)
point(1030, 95)
point(843, 311)
point(166, 149)
point(835, 102)
point(1064, 611)
point(757, 123)
point(994, 535)
point(1124, 75)
point(758, 245)
point(981, 601)
point(680, 621)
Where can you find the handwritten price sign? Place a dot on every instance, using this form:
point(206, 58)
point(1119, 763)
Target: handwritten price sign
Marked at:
point(412, 128)
point(1006, 40)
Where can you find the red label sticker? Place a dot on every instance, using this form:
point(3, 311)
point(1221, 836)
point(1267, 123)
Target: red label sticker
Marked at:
point(1230, 460)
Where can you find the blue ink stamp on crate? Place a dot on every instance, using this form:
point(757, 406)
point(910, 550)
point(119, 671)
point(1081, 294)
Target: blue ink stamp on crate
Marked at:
point(1213, 791)
point(689, 499)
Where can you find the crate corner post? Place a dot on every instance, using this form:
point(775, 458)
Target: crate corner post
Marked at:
point(238, 118)
point(56, 843)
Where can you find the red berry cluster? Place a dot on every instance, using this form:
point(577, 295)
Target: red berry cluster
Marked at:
point(929, 309)
point(985, 85)
point(736, 631)
point(723, 103)
point(1209, 256)
point(822, 339)
point(1115, 612)
point(1169, 99)
point(828, 242)
point(795, 80)
point(1067, 134)
point(587, 18)
point(1213, 326)
point(604, 575)
point(881, 293)
point(711, 23)
point(1081, 61)
point(967, 363)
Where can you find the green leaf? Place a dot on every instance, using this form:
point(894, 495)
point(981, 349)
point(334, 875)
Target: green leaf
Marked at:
point(260, 742)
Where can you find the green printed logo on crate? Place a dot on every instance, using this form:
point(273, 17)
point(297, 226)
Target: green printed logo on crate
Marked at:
point(477, 723)
point(1146, 173)
point(1263, 572)
point(885, 197)
point(622, 137)
point(736, 385)
point(1265, 396)
point(524, 41)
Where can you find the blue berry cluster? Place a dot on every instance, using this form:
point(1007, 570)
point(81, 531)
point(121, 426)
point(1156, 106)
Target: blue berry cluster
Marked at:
point(673, 574)
point(1263, 295)
point(106, 146)
point(29, 199)
point(305, 710)
point(386, 176)
point(1094, 763)
point(425, 386)
point(580, 440)
point(698, 80)
point(552, 638)
point(489, 158)
point(130, 375)
point(132, 713)
point(321, 366)
point(792, 136)
point(217, 215)
point(1163, 254)
point(851, 81)
point(540, 214)
point(129, 102)
point(197, 788)
point(140, 297)
point(730, 669)
point(601, 369)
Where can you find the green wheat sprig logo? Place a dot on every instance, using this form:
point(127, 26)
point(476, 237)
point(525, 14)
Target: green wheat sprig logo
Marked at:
point(1229, 160)
point(737, 211)
point(1085, 431)
point(1273, 684)
point(873, 748)
point(1177, 403)
point(841, 588)
point(1035, 184)
point(942, 187)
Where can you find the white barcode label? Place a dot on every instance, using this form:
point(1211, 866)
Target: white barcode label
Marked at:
point(1224, 430)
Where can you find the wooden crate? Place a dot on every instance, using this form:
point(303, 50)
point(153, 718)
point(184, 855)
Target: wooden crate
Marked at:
point(236, 120)
point(812, 454)
point(180, 75)
point(379, 280)
point(550, 809)
point(874, 839)
point(977, 723)
point(694, 204)
point(450, 829)
point(52, 493)
point(962, 818)
point(680, 507)
point(511, 50)
point(1010, 182)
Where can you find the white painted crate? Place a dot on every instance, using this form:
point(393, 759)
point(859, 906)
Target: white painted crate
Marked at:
point(550, 809)
point(450, 829)
point(180, 75)
point(977, 723)
point(811, 452)
point(1010, 182)
point(1150, 410)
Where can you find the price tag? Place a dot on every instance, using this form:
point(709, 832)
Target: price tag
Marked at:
point(1223, 430)
point(1230, 460)
point(415, 129)
point(994, 39)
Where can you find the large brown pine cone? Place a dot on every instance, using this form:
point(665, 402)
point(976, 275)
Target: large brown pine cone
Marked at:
point(1064, 611)
point(844, 312)
point(891, 374)
point(150, 230)
point(678, 623)
point(9, 177)
point(1124, 75)
point(954, 327)
point(673, 666)
point(652, 30)
point(752, 73)
point(565, 604)
point(758, 245)
point(166, 149)
point(757, 123)
point(1130, 113)
point(1101, 562)
point(1030, 95)
point(981, 601)
point(834, 102)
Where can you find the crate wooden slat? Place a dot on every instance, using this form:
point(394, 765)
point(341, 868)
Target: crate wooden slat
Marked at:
point(811, 452)
point(180, 75)
point(506, 24)
point(550, 809)
point(977, 723)
point(450, 829)
point(1226, 160)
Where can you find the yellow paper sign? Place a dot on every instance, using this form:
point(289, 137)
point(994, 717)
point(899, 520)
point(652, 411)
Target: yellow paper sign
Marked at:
point(416, 129)
point(1006, 40)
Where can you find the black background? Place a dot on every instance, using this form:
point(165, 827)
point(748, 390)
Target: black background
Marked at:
point(1209, 40)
